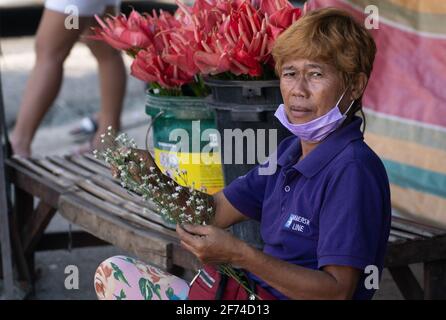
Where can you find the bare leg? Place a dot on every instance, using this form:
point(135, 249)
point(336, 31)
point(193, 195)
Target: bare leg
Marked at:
point(112, 77)
point(53, 44)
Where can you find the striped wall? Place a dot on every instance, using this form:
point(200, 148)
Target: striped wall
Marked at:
point(405, 101)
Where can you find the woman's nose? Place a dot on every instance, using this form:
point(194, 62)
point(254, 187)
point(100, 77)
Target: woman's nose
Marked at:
point(300, 88)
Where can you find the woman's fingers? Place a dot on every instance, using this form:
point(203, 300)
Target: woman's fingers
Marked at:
point(197, 229)
point(190, 239)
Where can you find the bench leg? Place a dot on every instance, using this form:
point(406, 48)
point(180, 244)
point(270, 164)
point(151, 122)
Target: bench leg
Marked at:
point(407, 283)
point(23, 209)
point(435, 280)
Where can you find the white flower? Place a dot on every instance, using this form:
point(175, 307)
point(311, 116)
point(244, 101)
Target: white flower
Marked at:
point(178, 188)
point(188, 202)
point(175, 195)
point(103, 135)
point(109, 128)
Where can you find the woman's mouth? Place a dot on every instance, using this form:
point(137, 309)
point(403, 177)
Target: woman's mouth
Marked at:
point(299, 112)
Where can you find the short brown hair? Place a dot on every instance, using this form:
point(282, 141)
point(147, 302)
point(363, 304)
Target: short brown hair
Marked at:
point(328, 35)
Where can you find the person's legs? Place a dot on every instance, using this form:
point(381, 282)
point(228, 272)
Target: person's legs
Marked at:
point(53, 44)
point(112, 77)
point(120, 277)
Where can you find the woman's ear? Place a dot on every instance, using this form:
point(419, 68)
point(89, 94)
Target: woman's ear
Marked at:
point(359, 85)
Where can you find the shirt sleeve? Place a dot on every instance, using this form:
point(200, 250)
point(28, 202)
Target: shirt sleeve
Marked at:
point(352, 218)
point(246, 193)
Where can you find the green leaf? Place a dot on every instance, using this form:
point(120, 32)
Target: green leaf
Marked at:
point(145, 288)
point(121, 296)
point(156, 289)
point(118, 274)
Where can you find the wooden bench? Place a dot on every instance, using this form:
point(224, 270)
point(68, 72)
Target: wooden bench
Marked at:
point(82, 190)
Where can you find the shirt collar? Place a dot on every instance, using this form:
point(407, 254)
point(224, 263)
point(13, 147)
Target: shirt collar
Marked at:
point(323, 153)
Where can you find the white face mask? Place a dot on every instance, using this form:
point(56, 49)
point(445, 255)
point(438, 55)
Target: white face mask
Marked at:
point(318, 129)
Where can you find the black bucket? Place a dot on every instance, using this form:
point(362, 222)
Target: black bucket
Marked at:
point(246, 105)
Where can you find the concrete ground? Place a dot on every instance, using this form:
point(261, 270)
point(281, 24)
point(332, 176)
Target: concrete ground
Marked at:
point(79, 97)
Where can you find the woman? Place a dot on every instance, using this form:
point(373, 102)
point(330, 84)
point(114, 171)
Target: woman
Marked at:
point(54, 41)
point(325, 213)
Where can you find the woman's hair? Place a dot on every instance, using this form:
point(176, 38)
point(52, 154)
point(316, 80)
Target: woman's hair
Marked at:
point(331, 36)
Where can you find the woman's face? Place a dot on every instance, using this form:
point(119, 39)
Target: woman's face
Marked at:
point(310, 89)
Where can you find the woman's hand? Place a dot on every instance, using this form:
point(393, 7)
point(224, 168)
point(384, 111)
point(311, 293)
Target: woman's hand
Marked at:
point(210, 244)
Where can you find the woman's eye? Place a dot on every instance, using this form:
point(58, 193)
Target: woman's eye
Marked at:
point(289, 74)
point(316, 74)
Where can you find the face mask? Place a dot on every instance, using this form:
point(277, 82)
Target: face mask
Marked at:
point(318, 129)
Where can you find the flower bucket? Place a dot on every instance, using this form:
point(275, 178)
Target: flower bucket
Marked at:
point(190, 116)
point(246, 105)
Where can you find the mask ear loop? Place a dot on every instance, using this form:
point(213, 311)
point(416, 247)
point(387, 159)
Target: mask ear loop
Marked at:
point(351, 104)
point(348, 109)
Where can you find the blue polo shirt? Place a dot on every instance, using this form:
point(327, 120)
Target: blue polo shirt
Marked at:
point(331, 208)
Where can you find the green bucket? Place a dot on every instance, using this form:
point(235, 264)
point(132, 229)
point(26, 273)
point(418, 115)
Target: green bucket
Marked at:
point(188, 120)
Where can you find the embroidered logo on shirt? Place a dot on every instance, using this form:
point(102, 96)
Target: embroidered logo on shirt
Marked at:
point(297, 223)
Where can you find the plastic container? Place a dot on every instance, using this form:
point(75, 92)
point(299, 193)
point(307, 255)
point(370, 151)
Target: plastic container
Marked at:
point(191, 116)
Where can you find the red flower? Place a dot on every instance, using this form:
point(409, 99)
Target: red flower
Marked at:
point(211, 37)
point(124, 33)
point(150, 67)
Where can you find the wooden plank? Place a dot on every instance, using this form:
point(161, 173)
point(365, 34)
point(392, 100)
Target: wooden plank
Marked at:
point(79, 160)
point(23, 206)
point(22, 215)
point(27, 163)
point(60, 240)
point(420, 226)
point(58, 171)
point(91, 157)
point(404, 235)
point(34, 229)
point(117, 189)
point(144, 243)
point(64, 163)
point(112, 198)
point(393, 239)
point(435, 280)
point(34, 184)
point(423, 250)
point(412, 229)
point(124, 214)
point(100, 192)
point(407, 283)
point(5, 234)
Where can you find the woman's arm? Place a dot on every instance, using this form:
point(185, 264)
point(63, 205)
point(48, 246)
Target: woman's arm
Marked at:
point(225, 214)
point(215, 246)
point(296, 282)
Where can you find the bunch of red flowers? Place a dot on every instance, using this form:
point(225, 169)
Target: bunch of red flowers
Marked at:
point(212, 37)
